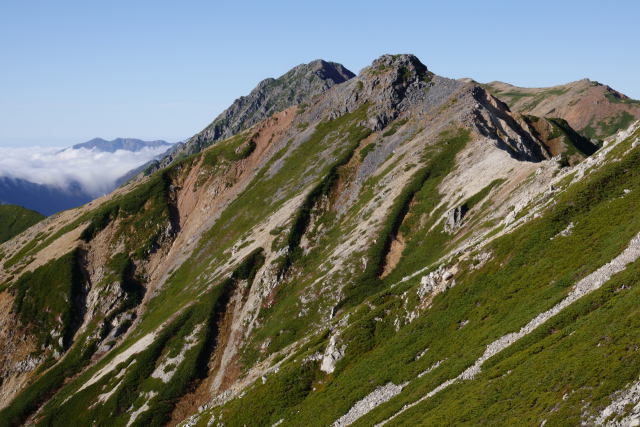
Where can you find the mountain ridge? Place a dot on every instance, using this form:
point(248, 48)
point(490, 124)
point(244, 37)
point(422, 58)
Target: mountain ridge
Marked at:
point(341, 262)
point(303, 82)
point(592, 108)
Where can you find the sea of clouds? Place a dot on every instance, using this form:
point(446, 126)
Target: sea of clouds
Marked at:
point(95, 171)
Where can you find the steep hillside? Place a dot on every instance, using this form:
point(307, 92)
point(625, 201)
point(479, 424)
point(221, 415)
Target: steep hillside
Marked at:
point(15, 219)
point(402, 250)
point(593, 109)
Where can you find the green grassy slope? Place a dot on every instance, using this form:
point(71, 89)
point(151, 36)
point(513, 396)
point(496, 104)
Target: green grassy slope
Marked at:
point(530, 271)
point(385, 326)
point(192, 309)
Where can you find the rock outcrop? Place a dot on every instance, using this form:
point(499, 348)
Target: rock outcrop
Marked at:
point(332, 354)
point(454, 219)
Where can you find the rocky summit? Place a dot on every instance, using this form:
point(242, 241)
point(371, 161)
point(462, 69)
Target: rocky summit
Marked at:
point(391, 248)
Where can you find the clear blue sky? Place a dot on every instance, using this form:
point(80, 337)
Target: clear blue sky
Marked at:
point(73, 70)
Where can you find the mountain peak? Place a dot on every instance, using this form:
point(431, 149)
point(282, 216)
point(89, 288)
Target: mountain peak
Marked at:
point(272, 95)
point(391, 84)
point(327, 70)
point(399, 60)
point(396, 70)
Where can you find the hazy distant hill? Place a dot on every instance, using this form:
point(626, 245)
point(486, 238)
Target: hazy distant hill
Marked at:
point(41, 198)
point(127, 144)
point(15, 219)
point(49, 199)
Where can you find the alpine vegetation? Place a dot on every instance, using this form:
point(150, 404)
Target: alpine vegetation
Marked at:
point(388, 248)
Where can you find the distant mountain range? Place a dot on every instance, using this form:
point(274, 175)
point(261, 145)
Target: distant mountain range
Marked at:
point(127, 144)
point(48, 198)
point(45, 199)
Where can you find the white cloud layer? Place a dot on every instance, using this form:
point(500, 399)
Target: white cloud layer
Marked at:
point(95, 171)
